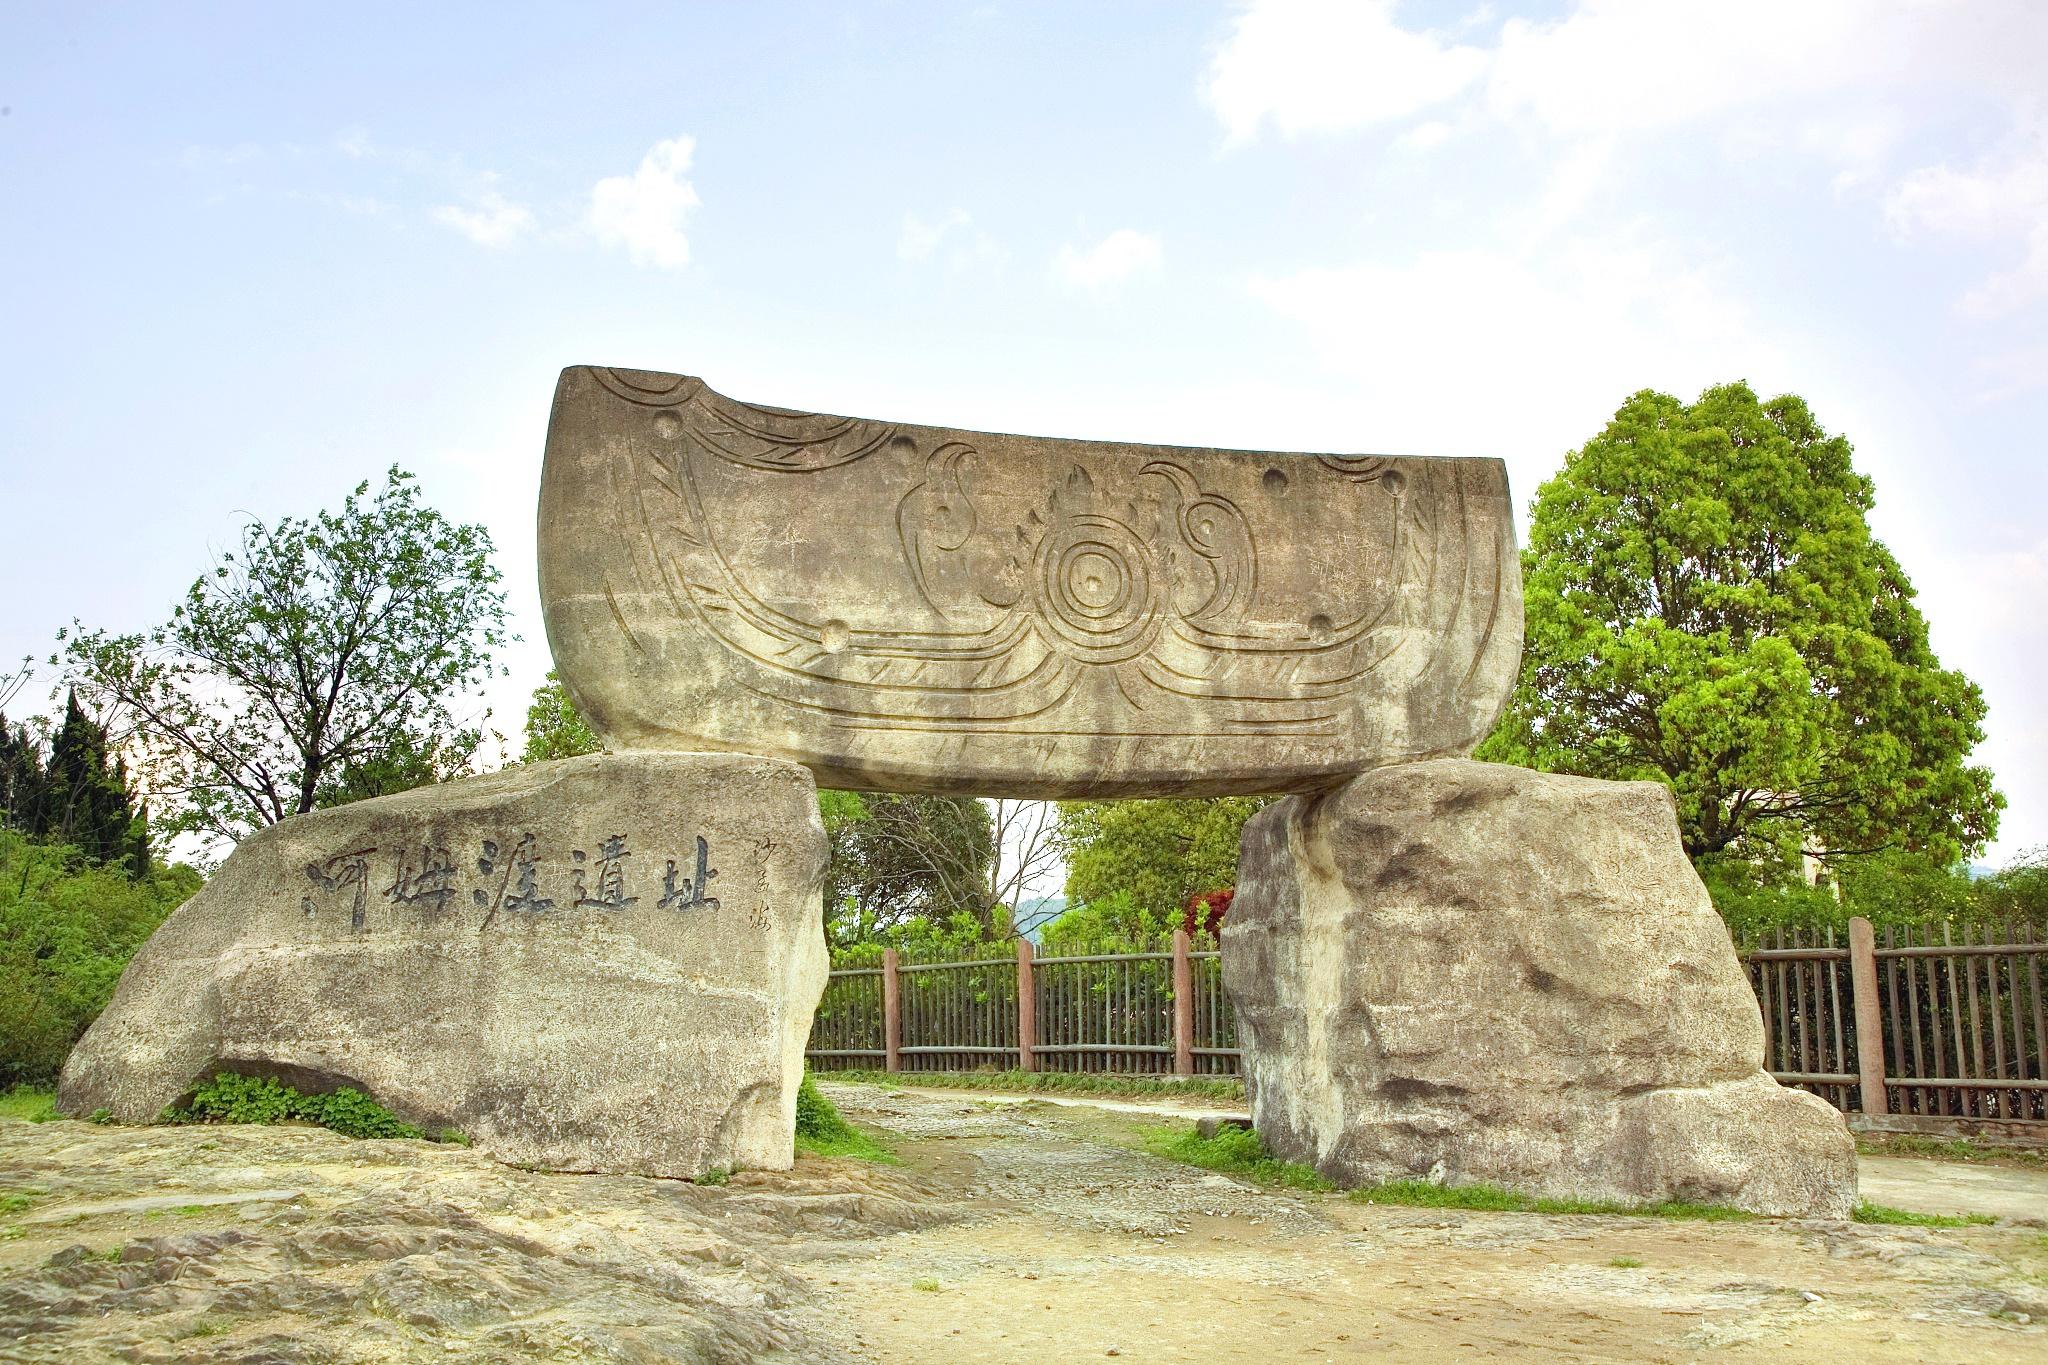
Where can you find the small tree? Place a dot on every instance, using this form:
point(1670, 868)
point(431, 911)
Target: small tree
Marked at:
point(554, 727)
point(1147, 862)
point(1706, 607)
point(318, 644)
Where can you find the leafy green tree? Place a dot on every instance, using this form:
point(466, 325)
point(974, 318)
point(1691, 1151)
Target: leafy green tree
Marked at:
point(1706, 607)
point(412, 759)
point(554, 727)
point(2019, 891)
point(1145, 860)
point(318, 643)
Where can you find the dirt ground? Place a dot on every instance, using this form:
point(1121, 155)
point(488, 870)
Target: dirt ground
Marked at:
point(1012, 1231)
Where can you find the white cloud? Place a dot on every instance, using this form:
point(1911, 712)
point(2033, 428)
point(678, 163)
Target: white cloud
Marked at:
point(1553, 336)
point(964, 245)
point(495, 221)
point(2001, 201)
point(920, 239)
point(1320, 66)
point(1116, 258)
point(644, 212)
point(1424, 136)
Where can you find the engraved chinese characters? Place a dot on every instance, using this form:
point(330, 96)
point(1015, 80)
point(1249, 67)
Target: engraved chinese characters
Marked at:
point(602, 963)
point(508, 877)
point(911, 608)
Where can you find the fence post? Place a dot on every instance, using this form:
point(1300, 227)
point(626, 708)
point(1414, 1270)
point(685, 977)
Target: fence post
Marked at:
point(1183, 1006)
point(1869, 1019)
point(892, 1013)
point(1027, 1010)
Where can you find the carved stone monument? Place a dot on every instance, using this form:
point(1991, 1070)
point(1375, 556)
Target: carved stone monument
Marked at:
point(922, 609)
point(611, 963)
point(605, 963)
point(1475, 973)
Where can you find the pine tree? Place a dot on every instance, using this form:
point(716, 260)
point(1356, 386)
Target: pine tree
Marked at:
point(86, 802)
point(21, 779)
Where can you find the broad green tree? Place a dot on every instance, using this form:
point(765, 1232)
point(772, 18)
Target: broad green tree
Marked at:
point(1142, 862)
point(1707, 608)
point(317, 644)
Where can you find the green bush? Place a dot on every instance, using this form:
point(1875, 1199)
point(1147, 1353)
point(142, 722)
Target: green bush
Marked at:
point(1239, 1151)
point(229, 1098)
point(66, 931)
point(815, 1115)
point(821, 1131)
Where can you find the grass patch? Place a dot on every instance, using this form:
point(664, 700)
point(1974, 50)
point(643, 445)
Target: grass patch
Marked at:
point(1069, 1082)
point(230, 1098)
point(822, 1131)
point(1627, 1263)
point(925, 1284)
point(717, 1175)
point(1494, 1199)
point(14, 1203)
point(1948, 1149)
point(29, 1104)
point(1235, 1151)
point(1867, 1212)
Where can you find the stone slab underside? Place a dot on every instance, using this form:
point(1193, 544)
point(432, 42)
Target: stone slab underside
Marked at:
point(606, 963)
point(914, 608)
point(1480, 974)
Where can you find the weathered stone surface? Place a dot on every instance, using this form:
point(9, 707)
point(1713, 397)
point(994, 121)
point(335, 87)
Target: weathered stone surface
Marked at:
point(606, 963)
point(922, 609)
point(1477, 973)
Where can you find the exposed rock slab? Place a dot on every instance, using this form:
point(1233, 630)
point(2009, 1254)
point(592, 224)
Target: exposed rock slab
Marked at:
point(606, 963)
point(916, 608)
point(1477, 973)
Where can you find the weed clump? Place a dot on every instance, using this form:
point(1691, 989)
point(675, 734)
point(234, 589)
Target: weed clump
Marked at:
point(1494, 1199)
point(1236, 1151)
point(822, 1131)
point(1867, 1212)
point(230, 1098)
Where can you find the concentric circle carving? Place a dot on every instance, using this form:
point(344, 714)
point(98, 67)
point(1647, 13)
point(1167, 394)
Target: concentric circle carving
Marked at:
point(1097, 588)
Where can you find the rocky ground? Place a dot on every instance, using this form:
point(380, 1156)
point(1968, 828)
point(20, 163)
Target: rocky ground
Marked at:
point(1011, 1232)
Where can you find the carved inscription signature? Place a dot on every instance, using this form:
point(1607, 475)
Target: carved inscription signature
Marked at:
point(509, 877)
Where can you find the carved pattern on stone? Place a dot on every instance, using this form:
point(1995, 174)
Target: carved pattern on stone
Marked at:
point(1151, 585)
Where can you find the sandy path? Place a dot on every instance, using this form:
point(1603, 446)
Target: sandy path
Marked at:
point(1013, 1231)
point(1073, 1247)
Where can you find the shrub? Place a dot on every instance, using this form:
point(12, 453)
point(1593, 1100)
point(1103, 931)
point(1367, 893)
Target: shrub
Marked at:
point(1239, 1151)
point(66, 931)
point(821, 1131)
point(229, 1098)
point(816, 1117)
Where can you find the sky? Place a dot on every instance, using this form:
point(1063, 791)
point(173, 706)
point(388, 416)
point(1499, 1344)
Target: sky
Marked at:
point(253, 254)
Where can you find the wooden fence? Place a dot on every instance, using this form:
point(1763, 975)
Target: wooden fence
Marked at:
point(1917, 1025)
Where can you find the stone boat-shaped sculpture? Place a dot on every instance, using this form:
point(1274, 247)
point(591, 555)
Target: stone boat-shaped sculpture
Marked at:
point(916, 608)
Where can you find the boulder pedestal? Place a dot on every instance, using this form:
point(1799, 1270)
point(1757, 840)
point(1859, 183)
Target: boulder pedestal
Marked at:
point(1473, 973)
point(606, 963)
